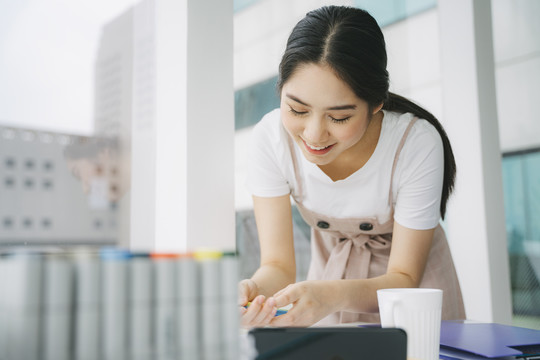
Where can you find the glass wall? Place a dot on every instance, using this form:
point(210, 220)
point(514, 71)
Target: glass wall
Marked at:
point(253, 102)
point(391, 11)
point(521, 181)
point(242, 4)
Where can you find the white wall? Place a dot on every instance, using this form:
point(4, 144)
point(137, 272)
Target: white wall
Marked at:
point(516, 33)
point(414, 59)
point(182, 150)
point(476, 223)
point(260, 36)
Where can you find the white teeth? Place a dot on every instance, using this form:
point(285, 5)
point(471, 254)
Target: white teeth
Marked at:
point(315, 147)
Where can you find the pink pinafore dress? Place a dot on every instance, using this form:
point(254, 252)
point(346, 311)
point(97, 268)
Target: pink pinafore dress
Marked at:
point(359, 248)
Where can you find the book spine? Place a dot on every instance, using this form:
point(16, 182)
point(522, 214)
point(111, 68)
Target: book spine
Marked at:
point(87, 308)
point(57, 308)
point(188, 310)
point(22, 304)
point(165, 317)
point(140, 309)
point(114, 320)
point(229, 307)
point(211, 309)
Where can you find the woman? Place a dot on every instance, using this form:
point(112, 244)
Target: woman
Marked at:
point(370, 172)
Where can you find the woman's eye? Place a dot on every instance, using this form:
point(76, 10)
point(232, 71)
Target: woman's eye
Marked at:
point(341, 120)
point(297, 113)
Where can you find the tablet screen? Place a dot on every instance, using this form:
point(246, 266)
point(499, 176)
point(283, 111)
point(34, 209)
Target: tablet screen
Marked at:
point(337, 343)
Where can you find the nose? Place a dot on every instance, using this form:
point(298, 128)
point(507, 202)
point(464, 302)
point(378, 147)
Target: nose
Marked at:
point(315, 131)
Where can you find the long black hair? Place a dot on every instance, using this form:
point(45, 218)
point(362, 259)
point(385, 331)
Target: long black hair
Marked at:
point(350, 41)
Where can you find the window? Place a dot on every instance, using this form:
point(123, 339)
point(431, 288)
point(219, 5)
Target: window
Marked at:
point(521, 182)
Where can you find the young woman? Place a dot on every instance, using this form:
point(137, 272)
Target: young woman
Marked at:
point(370, 172)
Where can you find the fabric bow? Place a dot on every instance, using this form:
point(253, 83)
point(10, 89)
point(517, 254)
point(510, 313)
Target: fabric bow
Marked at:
point(341, 265)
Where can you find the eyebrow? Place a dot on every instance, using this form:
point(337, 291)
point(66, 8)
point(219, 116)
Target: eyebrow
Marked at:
point(339, 107)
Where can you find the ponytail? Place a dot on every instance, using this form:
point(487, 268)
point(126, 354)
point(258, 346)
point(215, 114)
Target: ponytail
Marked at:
point(400, 104)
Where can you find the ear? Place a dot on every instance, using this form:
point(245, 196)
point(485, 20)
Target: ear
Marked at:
point(377, 108)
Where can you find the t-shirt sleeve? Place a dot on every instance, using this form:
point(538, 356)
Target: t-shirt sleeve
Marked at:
point(421, 179)
point(265, 175)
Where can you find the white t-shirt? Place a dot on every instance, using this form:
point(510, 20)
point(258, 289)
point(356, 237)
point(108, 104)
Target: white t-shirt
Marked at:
point(417, 185)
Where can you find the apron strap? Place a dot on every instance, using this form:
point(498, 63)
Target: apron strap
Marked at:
point(396, 157)
point(299, 190)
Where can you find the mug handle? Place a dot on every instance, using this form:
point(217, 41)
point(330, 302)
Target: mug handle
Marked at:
point(389, 312)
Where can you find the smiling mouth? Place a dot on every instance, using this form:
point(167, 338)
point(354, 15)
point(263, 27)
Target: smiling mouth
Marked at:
point(318, 150)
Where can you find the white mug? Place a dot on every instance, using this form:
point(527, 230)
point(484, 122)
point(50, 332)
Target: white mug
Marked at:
point(418, 312)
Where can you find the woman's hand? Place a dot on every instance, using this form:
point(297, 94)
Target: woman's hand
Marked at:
point(311, 300)
point(247, 290)
point(260, 312)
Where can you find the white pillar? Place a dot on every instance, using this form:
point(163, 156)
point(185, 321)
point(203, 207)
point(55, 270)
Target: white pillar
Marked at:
point(182, 176)
point(476, 223)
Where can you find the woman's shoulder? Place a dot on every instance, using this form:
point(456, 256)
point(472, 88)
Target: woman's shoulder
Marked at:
point(396, 121)
point(395, 124)
point(270, 122)
point(270, 129)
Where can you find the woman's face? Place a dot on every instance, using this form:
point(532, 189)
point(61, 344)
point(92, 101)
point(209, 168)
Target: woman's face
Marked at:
point(322, 114)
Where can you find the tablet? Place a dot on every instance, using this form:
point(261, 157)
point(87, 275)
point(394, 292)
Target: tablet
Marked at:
point(330, 343)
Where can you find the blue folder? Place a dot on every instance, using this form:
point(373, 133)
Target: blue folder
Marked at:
point(472, 340)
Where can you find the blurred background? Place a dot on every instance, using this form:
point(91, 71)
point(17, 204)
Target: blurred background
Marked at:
point(67, 108)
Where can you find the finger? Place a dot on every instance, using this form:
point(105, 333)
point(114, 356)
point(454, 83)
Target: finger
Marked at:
point(242, 300)
point(242, 296)
point(286, 288)
point(267, 313)
point(256, 305)
point(252, 311)
point(286, 297)
point(245, 292)
point(288, 319)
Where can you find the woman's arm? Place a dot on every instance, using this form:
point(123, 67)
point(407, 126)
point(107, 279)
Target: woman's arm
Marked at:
point(313, 300)
point(274, 226)
point(278, 267)
point(408, 257)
